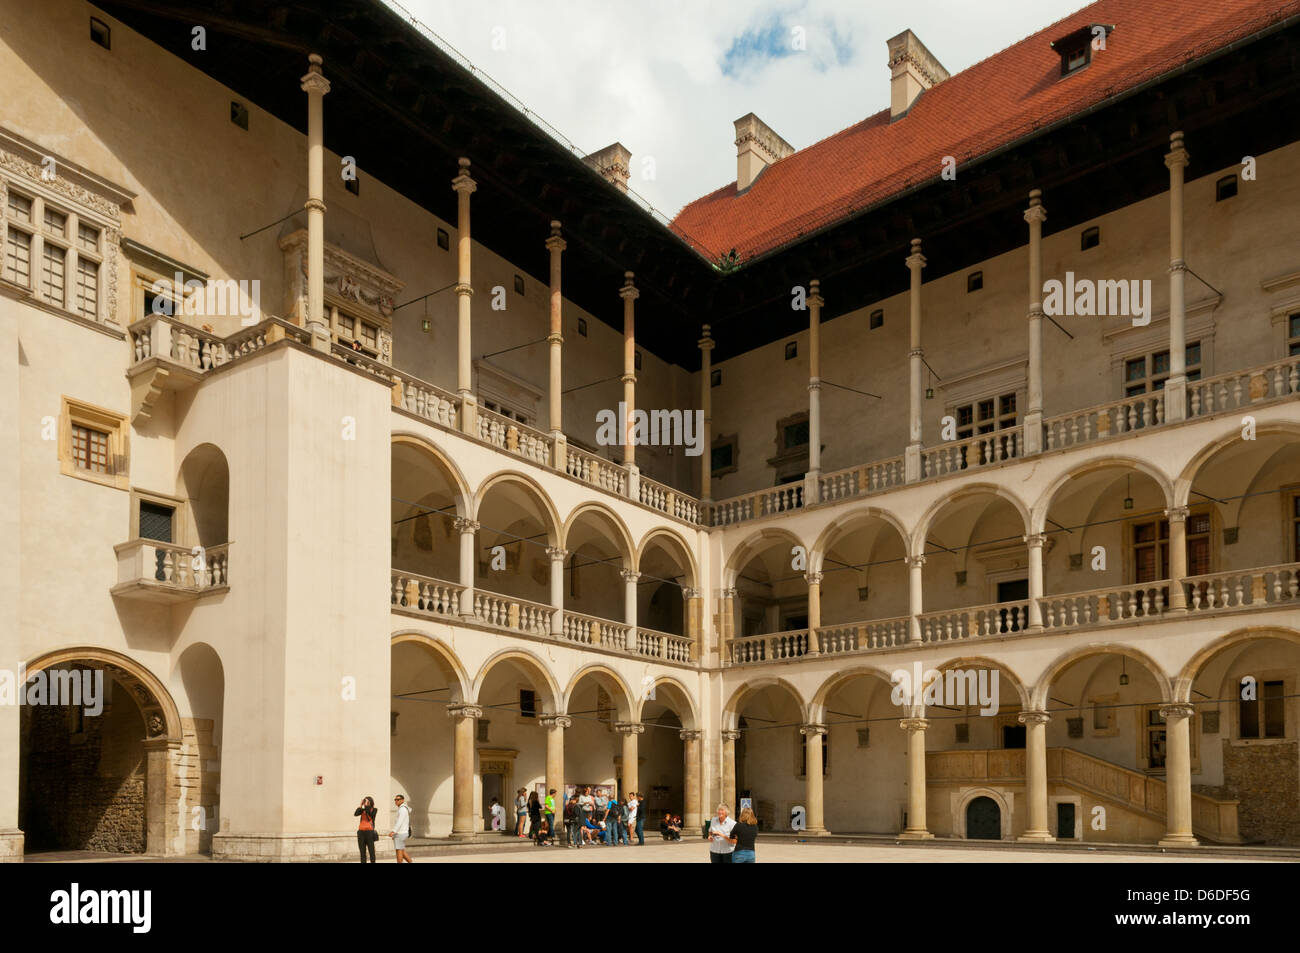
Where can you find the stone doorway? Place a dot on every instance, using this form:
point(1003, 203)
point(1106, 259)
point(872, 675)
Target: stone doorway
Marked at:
point(983, 819)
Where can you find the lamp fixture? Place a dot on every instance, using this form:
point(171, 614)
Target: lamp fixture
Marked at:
point(424, 322)
point(929, 384)
point(1123, 672)
point(1128, 497)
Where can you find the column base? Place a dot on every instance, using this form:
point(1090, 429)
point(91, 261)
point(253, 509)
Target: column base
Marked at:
point(11, 846)
point(912, 463)
point(819, 832)
point(913, 834)
point(1178, 840)
point(290, 848)
point(1033, 433)
point(1037, 837)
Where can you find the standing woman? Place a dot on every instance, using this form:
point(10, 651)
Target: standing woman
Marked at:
point(534, 815)
point(366, 833)
point(743, 836)
point(521, 811)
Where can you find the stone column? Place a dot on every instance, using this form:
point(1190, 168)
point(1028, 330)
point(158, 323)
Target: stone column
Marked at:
point(462, 788)
point(692, 609)
point(555, 245)
point(814, 580)
point(692, 818)
point(706, 403)
point(1035, 723)
point(555, 725)
point(812, 480)
point(729, 739)
point(464, 187)
point(1035, 215)
point(557, 589)
point(631, 764)
point(467, 529)
point(315, 85)
point(1176, 385)
point(630, 577)
point(916, 828)
point(629, 294)
point(726, 620)
point(163, 833)
point(912, 456)
point(814, 738)
point(1035, 543)
point(1177, 557)
point(1178, 776)
point(914, 591)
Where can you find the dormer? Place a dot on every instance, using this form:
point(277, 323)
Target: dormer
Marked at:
point(1075, 49)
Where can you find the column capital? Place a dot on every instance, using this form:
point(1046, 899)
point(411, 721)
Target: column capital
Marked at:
point(690, 734)
point(916, 260)
point(690, 593)
point(813, 578)
point(629, 575)
point(1033, 717)
point(815, 298)
point(464, 288)
point(1177, 514)
point(1177, 265)
point(730, 734)
point(466, 525)
point(556, 552)
point(914, 724)
point(556, 243)
point(314, 81)
point(463, 182)
point(706, 342)
point(915, 562)
point(555, 721)
point(1035, 540)
point(628, 292)
point(1177, 155)
point(814, 383)
point(1177, 710)
point(727, 593)
point(464, 711)
point(813, 729)
point(1036, 212)
point(916, 352)
point(629, 728)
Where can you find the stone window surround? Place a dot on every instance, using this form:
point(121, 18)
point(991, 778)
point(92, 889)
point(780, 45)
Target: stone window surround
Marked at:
point(506, 390)
point(1128, 568)
point(1289, 717)
point(988, 381)
point(180, 534)
point(722, 440)
point(1285, 292)
point(1127, 342)
point(116, 425)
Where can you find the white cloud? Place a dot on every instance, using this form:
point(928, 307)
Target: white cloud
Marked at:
point(656, 76)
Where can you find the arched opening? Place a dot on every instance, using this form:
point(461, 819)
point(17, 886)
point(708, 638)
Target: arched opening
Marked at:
point(866, 781)
point(666, 711)
point(666, 573)
point(598, 702)
point(204, 483)
point(771, 752)
point(203, 685)
point(770, 608)
point(426, 679)
point(983, 819)
point(864, 595)
point(598, 553)
point(426, 501)
point(512, 561)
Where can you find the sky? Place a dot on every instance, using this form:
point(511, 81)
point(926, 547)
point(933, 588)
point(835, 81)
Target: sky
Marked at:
point(668, 78)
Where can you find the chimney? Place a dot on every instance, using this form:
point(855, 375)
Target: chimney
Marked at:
point(614, 162)
point(913, 70)
point(757, 147)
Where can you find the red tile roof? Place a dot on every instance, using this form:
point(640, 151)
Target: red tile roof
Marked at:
point(994, 102)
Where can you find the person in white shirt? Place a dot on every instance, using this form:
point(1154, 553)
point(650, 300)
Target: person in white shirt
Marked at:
point(498, 812)
point(720, 843)
point(630, 811)
point(401, 830)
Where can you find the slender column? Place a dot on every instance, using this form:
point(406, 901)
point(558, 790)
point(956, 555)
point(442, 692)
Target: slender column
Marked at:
point(729, 739)
point(916, 828)
point(916, 356)
point(813, 479)
point(555, 725)
point(1035, 215)
point(631, 763)
point(1176, 385)
point(557, 590)
point(464, 187)
point(1035, 543)
point(315, 85)
point(555, 245)
point(691, 609)
point(467, 528)
point(1035, 723)
point(1178, 777)
point(692, 818)
point(630, 577)
point(726, 620)
point(706, 403)
point(814, 580)
point(462, 785)
point(814, 738)
point(914, 564)
point(629, 294)
point(1177, 557)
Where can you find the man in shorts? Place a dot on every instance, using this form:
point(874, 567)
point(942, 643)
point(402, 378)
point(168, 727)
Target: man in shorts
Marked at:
point(401, 830)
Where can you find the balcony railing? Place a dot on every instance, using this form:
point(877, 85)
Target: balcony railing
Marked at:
point(1108, 420)
point(670, 501)
point(510, 612)
point(425, 594)
point(171, 339)
point(425, 400)
point(1238, 389)
point(862, 480)
point(774, 647)
point(592, 469)
point(591, 630)
point(511, 435)
point(857, 636)
point(662, 645)
point(780, 499)
point(1115, 604)
point(1271, 585)
point(981, 450)
point(163, 572)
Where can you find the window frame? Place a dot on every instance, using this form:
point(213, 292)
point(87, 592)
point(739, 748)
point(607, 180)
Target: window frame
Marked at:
point(177, 505)
point(723, 440)
point(81, 414)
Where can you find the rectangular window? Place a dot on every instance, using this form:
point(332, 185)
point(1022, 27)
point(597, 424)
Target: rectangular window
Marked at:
point(1293, 335)
point(53, 263)
point(1150, 548)
point(1156, 738)
point(1147, 374)
point(369, 335)
point(876, 320)
point(18, 258)
point(19, 207)
point(527, 703)
point(794, 435)
point(87, 303)
point(56, 223)
point(986, 416)
point(1225, 188)
point(156, 521)
point(1089, 238)
point(974, 281)
point(1272, 724)
point(87, 237)
point(90, 449)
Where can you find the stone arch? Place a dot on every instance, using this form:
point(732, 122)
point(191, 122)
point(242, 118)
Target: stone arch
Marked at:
point(731, 712)
point(1039, 694)
point(750, 546)
point(1183, 484)
point(918, 536)
point(624, 702)
point(203, 482)
point(443, 656)
point(151, 695)
point(551, 517)
point(464, 498)
point(962, 799)
point(1038, 515)
point(679, 699)
point(676, 543)
point(1192, 668)
point(533, 665)
point(837, 680)
point(622, 537)
point(842, 526)
point(980, 661)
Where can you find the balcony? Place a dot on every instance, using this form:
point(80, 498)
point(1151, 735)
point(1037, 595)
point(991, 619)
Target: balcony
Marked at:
point(163, 573)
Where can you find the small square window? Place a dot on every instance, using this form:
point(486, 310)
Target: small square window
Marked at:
point(864, 737)
point(876, 320)
point(101, 34)
point(239, 114)
point(791, 350)
point(715, 378)
point(87, 237)
point(353, 185)
point(481, 729)
point(582, 327)
point(444, 240)
point(519, 284)
point(156, 521)
point(1090, 238)
point(962, 733)
point(1225, 188)
point(722, 457)
point(1077, 58)
point(90, 449)
point(974, 281)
